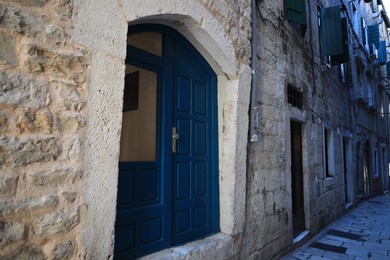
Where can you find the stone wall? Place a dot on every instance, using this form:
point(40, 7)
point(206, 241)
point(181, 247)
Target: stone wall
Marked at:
point(43, 90)
point(287, 55)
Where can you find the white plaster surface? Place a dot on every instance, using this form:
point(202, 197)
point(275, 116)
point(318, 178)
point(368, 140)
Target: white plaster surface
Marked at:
point(100, 25)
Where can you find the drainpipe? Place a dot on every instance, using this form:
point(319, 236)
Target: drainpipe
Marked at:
point(254, 105)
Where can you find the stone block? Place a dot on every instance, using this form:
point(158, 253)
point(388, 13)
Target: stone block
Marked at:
point(8, 49)
point(10, 232)
point(73, 101)
point(43, 121)
point(3, 122)
point(70, 196)
point(54, 177)
point(64, 251)
point(70, 122)
point(67, 67)
point(11, 207)
point(64, 8)
point(56, 222)
point(19, 90)
point(16, 151)
point(26, 252)
point(7, 185)
point(72, 149)
point(25, 122)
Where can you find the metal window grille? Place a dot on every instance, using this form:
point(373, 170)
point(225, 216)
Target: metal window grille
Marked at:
point(295, 97)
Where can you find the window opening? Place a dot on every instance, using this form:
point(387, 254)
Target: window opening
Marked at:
point(294, 97)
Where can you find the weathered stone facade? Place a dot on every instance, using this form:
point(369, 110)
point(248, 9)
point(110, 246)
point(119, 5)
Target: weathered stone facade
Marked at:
point(43, 95)
point(290, 56)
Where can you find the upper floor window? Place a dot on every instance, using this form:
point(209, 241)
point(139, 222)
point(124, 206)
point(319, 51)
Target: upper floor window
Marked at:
point(346, 73)
point(294, 97)
point(329, 156)
point(296, 14)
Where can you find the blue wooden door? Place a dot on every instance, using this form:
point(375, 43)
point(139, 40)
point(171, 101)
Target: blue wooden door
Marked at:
point(172, 197)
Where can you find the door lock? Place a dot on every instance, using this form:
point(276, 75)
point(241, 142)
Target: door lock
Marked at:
point(175, 137)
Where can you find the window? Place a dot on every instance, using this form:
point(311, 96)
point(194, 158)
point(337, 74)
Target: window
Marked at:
point(296, 14)
point(376, 172)
point(370, 96)
point(346, 73)
point(294, 97)
point(381, 106)
point(329, 160)
point(382, 54)
point(374, 6)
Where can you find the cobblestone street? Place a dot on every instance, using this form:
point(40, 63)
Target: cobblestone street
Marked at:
point(363, 233)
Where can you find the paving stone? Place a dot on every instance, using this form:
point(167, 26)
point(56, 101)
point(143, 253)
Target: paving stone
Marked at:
point(346, 240)
point(330, 241)
point(357, 252)
point(315, 251)
point(333, 255)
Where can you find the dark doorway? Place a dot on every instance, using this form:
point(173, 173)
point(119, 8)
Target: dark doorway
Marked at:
point(345, 144)
point(359, 169)
point(367, 169)
point(297, 179)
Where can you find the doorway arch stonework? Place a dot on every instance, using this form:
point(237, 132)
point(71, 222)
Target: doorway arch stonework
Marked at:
point(103, 31)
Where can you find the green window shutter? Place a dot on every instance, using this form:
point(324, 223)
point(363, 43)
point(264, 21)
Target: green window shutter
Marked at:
point(344, 57)
point(332, 36)
point(373, 35)
point(382, 54)
point(296, 11)
point(363, 31)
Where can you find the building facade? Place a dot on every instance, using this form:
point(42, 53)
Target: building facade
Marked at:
point(199, 129)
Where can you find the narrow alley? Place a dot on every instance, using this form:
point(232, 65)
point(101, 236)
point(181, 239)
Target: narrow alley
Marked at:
point(363, 233)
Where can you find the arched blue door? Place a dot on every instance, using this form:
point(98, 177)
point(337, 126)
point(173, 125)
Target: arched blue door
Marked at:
point(168, 169)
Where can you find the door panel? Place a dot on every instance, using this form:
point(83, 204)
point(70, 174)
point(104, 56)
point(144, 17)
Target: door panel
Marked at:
point(192, 86)
point(141, 213)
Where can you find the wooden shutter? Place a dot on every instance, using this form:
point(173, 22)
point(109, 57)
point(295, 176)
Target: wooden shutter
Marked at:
point(344, 57)
point(373, 35)
point(332, 36)
point(382, 54)
point(295, 11)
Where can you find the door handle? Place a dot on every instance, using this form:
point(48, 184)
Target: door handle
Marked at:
point(175, 137)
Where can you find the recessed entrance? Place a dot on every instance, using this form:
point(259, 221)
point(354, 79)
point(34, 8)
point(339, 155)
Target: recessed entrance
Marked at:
point(168, 169)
